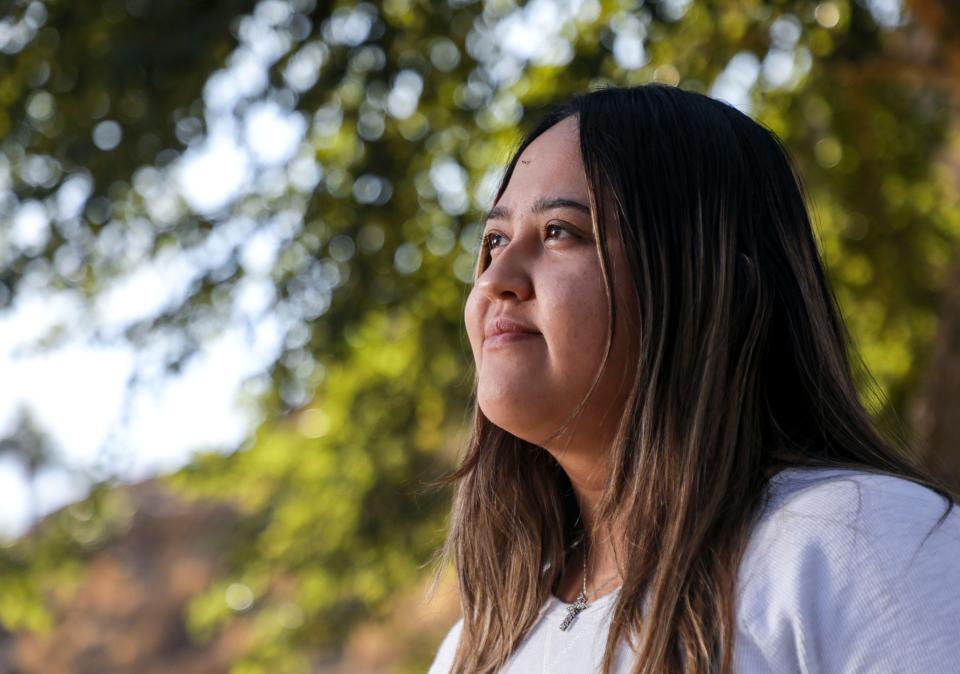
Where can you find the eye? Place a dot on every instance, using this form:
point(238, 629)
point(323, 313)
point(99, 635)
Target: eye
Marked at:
point(546, 229)
point(491, 239)
point(488, 240)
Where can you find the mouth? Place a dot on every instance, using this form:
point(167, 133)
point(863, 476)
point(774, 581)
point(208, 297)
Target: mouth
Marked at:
point(509, 338)
point(506, 325)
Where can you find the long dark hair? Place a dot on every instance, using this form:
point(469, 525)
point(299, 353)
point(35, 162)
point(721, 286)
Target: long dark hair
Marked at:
point(743, 367)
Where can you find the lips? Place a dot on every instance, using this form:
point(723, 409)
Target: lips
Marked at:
point(502, 325)
point(505, 338)
point(502, 330)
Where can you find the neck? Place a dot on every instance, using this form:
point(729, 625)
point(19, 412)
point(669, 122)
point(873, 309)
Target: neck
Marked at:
point(589, 482)
point(605, 552)
point(583, 460)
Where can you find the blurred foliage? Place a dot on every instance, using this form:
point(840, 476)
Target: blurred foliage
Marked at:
point(46, 564)
point(408, 110)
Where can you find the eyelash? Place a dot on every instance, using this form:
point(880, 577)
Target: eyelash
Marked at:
point(485, 239)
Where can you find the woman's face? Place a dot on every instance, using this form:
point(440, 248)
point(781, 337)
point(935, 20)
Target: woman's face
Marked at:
point(544, 273)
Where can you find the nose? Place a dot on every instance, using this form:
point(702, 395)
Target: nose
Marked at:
point(506, 276)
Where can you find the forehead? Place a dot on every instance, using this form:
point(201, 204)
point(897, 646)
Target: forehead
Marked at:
point(550, 164)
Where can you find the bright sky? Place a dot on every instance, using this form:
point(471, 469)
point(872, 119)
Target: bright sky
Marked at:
point(77, 391)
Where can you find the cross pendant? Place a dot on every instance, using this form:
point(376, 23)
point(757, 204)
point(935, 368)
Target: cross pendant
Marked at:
point(573, 610)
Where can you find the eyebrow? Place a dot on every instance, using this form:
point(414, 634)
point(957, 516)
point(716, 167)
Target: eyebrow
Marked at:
point(541, 205)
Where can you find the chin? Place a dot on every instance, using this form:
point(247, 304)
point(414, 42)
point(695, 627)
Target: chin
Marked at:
point(506, 417)
point(507, 422)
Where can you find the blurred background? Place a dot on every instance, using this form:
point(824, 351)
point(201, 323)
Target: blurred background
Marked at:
point(235, 240)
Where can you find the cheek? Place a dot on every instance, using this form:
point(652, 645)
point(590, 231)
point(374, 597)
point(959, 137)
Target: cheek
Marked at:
point(473, 314)
point(578, 320)
point(574, 322)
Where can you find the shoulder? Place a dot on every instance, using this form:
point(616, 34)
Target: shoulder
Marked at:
point(444, 658)
point(847, 521)
point(849, 557)
point(851, 513)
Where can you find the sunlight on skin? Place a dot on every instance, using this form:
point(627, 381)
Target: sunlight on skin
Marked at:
point(544, 273)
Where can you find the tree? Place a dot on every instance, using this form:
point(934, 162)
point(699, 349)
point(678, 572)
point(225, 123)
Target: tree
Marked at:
point(933, 410)
point(29, 446)
point(408, 109)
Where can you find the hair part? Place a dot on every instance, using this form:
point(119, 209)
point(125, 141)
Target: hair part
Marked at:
point(742, 367)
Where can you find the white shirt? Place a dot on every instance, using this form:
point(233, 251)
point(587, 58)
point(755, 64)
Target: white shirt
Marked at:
point(833, 580)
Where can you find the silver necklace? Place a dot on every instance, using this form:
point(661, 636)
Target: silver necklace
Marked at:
point(574, 609)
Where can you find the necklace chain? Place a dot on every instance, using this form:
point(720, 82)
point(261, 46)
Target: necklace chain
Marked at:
point(581, 602)
point(597, 588)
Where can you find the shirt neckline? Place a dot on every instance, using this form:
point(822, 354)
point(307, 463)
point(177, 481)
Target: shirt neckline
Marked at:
point(792, 473)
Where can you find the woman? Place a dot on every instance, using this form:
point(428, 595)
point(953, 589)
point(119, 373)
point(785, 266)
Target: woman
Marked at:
point(670, 468)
